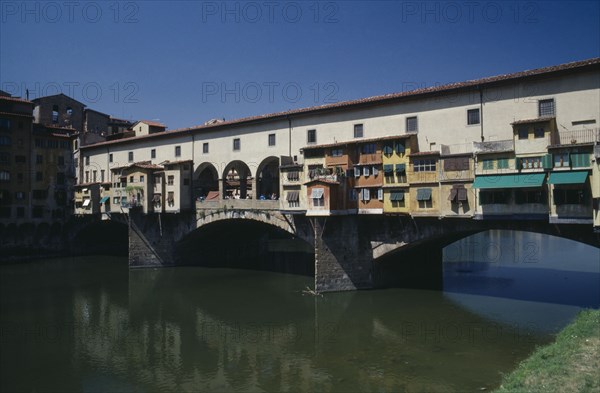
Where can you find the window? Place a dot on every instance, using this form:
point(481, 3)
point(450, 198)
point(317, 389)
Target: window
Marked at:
point(337, 152)
point(171, 198)
point(293, 198)
point(580, 160)
point(60, 178)
point(411, 124)
point(456, 164)
point(546, 107)
point(531, 162)
point(39, 176)
point(4, 176)
point(293, 175)
point(205, 148)
point(388, 150)
point(366, 171)
point(531, 196)
point(358, 130)
point(493, 197)
point(69, 111)
point(130, 179)
point(365, 194)
point(424, 198)
point(170, 180)
point(130, 156)
point(110, 157)
point(5, 140)
point(397, 198)
point(425, 165)
point(523, 133)
point(311, 136)
point(561, 160)
point(569, 196)
point(356, 171)
point(502, 163)
point(177, 151)
point(141, 178)
point(375, 171)
point(380, 194)
point(538, 132)
point(4, 125)
point(87, 176)
point(156, 179)
point(153, 153)
point(236, 144)
point(116, 200)
point(368, 148)
point(61, 160)
point(271, 139)
point(473, 116)
point(317, 196)
point(102, 172)
point(488, 164)
point(54, 113)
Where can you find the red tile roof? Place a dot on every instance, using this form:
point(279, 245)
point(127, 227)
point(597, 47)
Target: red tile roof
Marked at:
point(590, 64)
point(358, 141)
point(17, 99)
point(15, 114)
point(152, 123)
point(537, 120)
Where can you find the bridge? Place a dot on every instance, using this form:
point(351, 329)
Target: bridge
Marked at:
point(335, 190)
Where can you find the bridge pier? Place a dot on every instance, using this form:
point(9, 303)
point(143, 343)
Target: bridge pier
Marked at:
point(343, 254)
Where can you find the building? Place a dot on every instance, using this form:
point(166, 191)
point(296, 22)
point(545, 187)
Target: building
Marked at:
point(490, 148)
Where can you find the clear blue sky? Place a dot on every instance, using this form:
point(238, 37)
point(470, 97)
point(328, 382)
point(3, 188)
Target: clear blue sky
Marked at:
point(186, 62)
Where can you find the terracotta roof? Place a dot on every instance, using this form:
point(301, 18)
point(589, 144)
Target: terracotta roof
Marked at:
point(537, 120)
point(335, 183)
point(151, 123)
point(358, 141)
point(15, 114)
point(435, 90)
point(17, 99)
point(35, 100)
point(165, 163)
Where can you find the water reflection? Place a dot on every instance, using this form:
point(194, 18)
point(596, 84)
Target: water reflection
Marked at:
point(92, 325)
point(509, 276)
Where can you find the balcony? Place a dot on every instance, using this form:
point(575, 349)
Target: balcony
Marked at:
point(575, 137)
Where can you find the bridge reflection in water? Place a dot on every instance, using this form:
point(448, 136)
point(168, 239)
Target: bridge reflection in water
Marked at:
point(91, 324)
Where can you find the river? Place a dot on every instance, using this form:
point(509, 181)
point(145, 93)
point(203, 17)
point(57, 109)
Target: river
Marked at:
point(90, 324)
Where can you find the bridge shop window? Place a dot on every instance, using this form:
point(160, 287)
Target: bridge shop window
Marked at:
point(271, 139)
point(236, 144)
point(205, 148)
point(368, 148)
point(293, 198)
point(311, 136)
point(358, 130)
point(337, 152)
point(546, 107)
point(493, 197)
point(458, 194)
point(424, 198)
point(531, 196)
point(412, 124)
point(397, 198)
point(473, 116)
point(317, 197)
point(570, 195)
point(523, 133)
point(539, 132)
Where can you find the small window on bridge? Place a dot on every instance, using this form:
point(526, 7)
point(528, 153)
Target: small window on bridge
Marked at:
point(236, 144)
point(205, 148)
point(271, 139)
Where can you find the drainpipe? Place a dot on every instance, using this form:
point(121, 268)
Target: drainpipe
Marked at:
point(481, 112)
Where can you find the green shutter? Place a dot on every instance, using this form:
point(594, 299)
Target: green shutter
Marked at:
point(502, 163)
point(579, 160)
point(488, 164)
point(387, 150)
point(400, 148)
point(547, 161)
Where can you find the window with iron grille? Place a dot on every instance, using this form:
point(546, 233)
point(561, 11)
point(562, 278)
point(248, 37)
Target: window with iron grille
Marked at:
point(412, 124)
point(546, 107)
point(473, 116)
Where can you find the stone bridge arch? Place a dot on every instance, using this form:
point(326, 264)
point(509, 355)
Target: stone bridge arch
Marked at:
point(267, 177)
point(206, 179)
point(236, 180)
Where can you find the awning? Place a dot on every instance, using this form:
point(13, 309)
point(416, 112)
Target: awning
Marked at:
point(578, 177)
point(397, 196)
point(509, 181)
point(388, 168)
point(87, 202)
point(293, 196)
point(400, 168)
point(423, 194)
point(387, 149)
point(104, 199)
point(400, 148)
point(317, 193)
point(212, 195)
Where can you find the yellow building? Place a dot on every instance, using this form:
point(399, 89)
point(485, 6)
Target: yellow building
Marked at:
point(396, 151)
point(422, 175)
